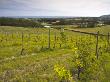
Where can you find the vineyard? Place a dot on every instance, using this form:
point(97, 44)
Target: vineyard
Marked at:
point(53, 55)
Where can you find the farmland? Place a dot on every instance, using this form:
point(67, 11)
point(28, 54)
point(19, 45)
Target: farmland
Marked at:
point(30, 54)
point(102, 30)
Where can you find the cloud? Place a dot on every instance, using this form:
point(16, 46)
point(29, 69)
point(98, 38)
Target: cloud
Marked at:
point(56, 7)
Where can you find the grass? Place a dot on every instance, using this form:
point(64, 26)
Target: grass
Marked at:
point(37, 62)
point(102, 30)
point(34, 39)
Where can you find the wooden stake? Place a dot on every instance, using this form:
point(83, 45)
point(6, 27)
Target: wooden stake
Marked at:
point(108, 39)
point(22, 49)
point(97, 38)
point(49, 39)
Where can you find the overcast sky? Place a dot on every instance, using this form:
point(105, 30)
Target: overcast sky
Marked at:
point(54, 7)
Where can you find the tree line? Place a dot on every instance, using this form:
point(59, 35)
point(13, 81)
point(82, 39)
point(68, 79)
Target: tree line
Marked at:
point(5, 21)
point(38, 22)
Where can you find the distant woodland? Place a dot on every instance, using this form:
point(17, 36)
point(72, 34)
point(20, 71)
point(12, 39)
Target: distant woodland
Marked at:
point(18, 22)
point(40, 22)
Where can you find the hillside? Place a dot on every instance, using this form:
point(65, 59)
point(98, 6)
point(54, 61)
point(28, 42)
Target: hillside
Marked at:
point(105, 16)
point(102, 30)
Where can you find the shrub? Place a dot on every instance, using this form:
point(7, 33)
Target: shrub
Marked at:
point(62, 73)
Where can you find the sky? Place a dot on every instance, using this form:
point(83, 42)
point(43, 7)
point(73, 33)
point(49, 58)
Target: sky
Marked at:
point(54, 7)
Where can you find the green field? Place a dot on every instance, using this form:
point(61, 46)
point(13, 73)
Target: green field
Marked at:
point(37, 61)
point(102, 30)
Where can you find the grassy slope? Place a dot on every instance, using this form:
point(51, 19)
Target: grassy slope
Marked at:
point(103, 29)
point(40, 64)
point(12, 46)
point(37, 65)
point(32, 65)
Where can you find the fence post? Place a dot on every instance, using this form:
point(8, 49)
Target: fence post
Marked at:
point(12, 36)
point(60, 45)
point(97, 38)
point(54, 45)
point(55, 37)
point(49, 38)
point(6, 35)
point(108, 39)
point(22, 49)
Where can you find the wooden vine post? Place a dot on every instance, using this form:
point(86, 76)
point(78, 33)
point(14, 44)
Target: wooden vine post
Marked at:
point(22, 46)
point(55, 38)
point(108, 39)
point(48, 35)
point(97, 38)
point(6, 36)
point(49, 39)
point(29, 38)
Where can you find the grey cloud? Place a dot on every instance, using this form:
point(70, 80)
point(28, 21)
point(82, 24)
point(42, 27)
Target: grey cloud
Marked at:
point(55, 7)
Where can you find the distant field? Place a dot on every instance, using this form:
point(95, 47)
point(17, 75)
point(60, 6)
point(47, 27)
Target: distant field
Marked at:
point(36, 64)
point(102, 30)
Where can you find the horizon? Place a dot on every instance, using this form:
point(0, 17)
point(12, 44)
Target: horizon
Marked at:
point(46, 16)
point(75, 8)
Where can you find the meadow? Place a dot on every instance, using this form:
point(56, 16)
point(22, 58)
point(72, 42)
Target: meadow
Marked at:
point(102, 29)
point(34, 55)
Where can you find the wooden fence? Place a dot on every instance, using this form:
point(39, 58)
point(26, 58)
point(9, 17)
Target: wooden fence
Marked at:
point(97, 39)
